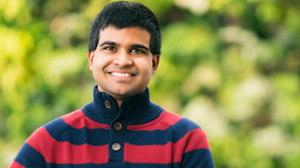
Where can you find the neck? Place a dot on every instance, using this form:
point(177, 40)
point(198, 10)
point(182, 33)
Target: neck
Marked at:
point(119, 102)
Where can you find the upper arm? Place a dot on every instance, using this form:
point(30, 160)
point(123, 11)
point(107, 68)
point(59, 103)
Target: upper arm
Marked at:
point(196, 149)
point(197, 152)
point(34, 150)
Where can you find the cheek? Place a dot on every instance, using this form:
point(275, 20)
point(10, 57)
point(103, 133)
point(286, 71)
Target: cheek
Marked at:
point(101, 62)
point(144, 65)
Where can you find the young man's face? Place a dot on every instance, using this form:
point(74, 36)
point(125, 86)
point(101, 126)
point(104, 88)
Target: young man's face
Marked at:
point(122, 63)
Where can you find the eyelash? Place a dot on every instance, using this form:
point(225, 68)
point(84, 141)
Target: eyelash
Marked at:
point(111, 48)
point(137, 51)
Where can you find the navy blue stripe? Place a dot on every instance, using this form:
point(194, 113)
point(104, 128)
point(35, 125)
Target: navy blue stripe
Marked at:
point(148, 165)
point(198, 158)
point(29, 157)
point(88, 165)
point(156, 137)
point(126, 164)
point(161, 137)
point(183, 126)
point(62, 132)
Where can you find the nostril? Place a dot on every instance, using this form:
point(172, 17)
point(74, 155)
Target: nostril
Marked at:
point(123, 61)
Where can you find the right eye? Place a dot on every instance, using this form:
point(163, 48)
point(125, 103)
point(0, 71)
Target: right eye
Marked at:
point(110, 48)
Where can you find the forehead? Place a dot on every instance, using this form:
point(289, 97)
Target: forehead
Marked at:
point(128, 35)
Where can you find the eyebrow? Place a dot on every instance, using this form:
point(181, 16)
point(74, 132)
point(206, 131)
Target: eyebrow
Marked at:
point(108, 43)
point(140, 46)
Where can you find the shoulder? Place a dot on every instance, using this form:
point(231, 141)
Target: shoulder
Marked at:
point(38, 147)
point(166, 121)
point(178, 121)
point(184, 128)
point(52, 130)
point(40, 142)
point(59, 125)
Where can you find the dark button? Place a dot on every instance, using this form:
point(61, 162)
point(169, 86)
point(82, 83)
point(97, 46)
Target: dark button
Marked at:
point(116, 147)
point(107, 104)
point(118, 126)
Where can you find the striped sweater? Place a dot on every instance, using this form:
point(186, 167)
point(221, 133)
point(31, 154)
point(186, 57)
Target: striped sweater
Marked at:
point(139, 134)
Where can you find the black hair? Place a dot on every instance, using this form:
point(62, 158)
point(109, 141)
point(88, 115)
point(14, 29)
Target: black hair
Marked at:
point(123, 14)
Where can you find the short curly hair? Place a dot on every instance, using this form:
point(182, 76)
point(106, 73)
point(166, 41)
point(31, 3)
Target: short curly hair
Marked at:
point(123, 14)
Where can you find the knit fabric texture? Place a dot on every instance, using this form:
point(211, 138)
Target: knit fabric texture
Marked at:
point(101, 135)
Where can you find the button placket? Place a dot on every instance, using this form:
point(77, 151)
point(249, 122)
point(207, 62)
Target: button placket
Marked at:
point(117, 124)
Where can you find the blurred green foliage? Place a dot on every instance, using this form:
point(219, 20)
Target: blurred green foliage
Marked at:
point(232, 66)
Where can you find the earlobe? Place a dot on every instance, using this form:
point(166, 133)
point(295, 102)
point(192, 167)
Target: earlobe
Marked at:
point(91, 55)
point(155, 63)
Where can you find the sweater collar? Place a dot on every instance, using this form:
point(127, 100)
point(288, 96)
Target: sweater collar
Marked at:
point(137, 109)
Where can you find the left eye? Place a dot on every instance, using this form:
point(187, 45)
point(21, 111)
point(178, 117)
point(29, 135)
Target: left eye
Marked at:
point(136, 51)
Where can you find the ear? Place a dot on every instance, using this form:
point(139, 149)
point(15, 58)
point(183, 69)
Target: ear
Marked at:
point(91, 55)
point(155, 62)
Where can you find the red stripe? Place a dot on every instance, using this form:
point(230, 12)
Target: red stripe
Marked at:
point(38, 140)
point(168, 118)
point(64, 152)
point(196, 139)
point(168, 153)
point(158, 154)
point(16, 165)
point(78, 120)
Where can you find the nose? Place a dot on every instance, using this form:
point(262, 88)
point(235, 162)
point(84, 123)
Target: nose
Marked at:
point(123, 59)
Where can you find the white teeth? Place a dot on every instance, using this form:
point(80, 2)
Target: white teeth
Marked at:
point(121, 74)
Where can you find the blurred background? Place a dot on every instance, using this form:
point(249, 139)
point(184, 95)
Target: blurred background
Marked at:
point(232, 66)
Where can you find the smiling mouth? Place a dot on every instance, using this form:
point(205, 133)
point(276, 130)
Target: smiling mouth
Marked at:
point(117, 74)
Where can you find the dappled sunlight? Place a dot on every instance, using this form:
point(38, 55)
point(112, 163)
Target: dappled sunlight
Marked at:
point(203, 111)
point(196, 6)
point(230, 66)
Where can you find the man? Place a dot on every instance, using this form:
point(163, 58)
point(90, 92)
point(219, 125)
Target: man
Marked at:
point(121, 127)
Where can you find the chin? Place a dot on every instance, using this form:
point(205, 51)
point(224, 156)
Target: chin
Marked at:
point(126, 93)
